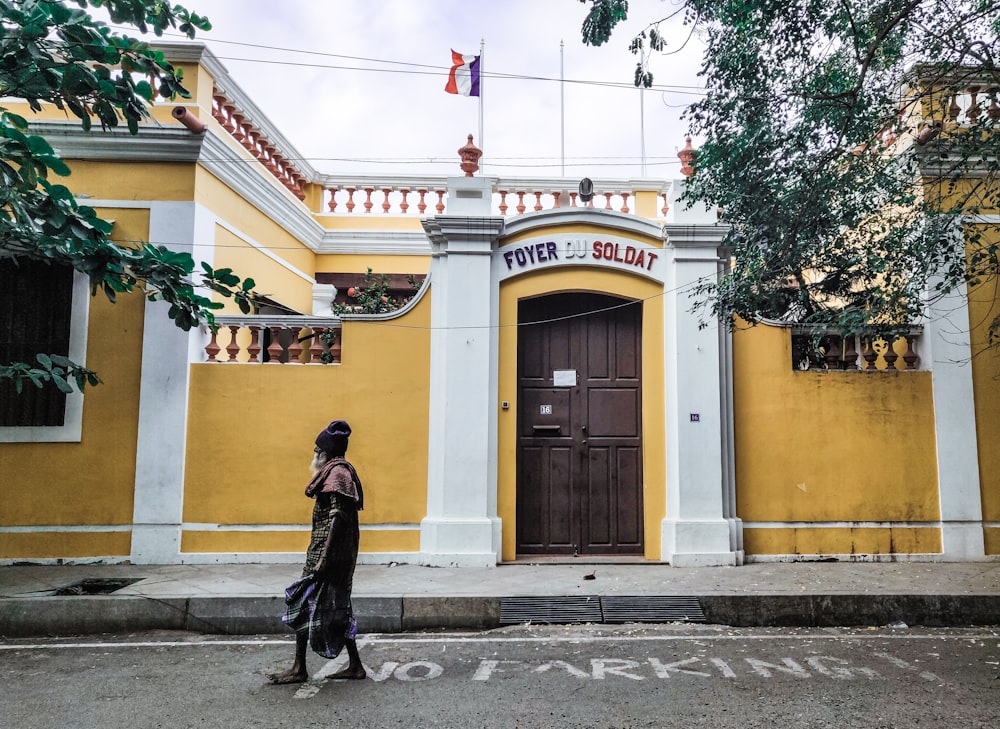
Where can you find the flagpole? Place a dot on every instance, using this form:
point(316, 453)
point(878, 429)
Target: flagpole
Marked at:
point(642, 127)
point(482, 49)
point(562, 107)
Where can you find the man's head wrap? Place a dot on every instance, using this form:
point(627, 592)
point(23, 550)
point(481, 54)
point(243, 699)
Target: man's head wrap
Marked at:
point(336, 432)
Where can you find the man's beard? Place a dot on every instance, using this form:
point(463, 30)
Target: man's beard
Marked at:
point(318, 461)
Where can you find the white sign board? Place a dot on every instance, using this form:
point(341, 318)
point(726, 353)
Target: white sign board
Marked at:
point(564, 378)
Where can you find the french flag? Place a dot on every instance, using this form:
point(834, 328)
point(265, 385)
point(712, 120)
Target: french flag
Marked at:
point(464, 76)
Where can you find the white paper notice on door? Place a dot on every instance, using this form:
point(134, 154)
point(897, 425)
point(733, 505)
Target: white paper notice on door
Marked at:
point(564, 378)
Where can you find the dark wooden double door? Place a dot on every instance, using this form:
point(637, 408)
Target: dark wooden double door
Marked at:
point(579, 455)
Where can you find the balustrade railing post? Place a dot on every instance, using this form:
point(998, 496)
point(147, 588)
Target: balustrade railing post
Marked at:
point(869, 355)
point(890, 355)
point(254, 349)
point(316, 346)
point(850, 353)
point(274, 349)
point(910, 356)
point(233, 348)
point(212, 348)
point(832, 356)
point(295, 348)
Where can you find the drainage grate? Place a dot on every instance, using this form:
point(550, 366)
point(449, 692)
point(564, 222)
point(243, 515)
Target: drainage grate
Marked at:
point(652, 609)
point(96, 586)
point(584, 609)
point(608, 609)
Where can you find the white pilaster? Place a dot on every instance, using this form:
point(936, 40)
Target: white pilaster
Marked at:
point(163, 399)
point(461, 526)
point(700, 528)
point(323, 296)
point(947, 346)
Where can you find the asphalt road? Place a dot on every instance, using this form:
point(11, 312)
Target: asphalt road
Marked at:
point(537, 676)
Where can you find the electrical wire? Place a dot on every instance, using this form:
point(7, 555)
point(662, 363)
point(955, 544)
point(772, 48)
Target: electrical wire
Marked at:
point(432, 69)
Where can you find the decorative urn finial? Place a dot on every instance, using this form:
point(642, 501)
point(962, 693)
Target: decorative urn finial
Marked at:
point(470, 155)
point(687, 156)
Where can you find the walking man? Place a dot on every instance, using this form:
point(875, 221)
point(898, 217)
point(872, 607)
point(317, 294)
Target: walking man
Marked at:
point(319, 604)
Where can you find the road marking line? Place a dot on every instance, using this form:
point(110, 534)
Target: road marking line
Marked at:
point(900, 663)
point(307, 690)
point(374, 639)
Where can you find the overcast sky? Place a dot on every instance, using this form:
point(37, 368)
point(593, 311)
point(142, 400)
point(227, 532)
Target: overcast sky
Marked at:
point(359, 86)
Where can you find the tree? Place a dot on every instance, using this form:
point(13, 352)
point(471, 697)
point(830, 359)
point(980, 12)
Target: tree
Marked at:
point(54, 53)
point(838, 152)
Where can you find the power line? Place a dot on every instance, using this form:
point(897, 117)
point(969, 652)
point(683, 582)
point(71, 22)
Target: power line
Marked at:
point(487, 75)
point(431, 69)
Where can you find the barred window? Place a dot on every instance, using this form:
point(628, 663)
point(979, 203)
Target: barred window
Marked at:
point(35, 316)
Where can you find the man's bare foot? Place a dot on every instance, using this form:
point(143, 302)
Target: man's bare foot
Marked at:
point(355, 673)
point(290, 676)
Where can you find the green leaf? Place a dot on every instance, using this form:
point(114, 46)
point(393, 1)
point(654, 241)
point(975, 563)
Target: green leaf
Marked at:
point(61, 383)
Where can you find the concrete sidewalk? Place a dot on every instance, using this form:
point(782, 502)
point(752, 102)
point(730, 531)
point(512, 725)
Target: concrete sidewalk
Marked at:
point(248, 598)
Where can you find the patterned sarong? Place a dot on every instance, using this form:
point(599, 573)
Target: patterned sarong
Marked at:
point(312, 607)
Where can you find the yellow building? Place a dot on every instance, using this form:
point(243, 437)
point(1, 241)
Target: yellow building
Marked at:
point(545, 391)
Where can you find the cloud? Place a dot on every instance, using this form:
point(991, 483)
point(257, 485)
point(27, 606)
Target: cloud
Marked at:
point(390, 114)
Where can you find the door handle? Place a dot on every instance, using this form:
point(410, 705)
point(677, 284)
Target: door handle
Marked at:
point(584, 429)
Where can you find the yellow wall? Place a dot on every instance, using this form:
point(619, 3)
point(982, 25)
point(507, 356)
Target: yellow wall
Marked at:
point(89, 483)
point(830, 447)
point(654, 467)
point(984, 306)
point(273, 280)
point(251, 430)
point(360, 263)
point(375, 220)
point(146, 180)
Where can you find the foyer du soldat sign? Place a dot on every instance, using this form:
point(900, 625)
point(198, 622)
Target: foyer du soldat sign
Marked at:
point(571, 249)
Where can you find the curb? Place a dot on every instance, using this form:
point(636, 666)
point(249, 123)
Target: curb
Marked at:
point(83, 615)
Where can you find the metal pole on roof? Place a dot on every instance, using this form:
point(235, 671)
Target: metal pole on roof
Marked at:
point(562, 106)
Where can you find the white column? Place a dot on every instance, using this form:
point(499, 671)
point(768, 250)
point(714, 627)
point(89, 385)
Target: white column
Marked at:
point(700, 528)
point(461, 526)
point(163, 398)
point(946, 345)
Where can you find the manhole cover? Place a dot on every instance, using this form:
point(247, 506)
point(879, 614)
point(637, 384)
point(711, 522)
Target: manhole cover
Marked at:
point(96, 586)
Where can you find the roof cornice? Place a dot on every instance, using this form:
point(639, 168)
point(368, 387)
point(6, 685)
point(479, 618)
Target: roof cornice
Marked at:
point(594, 216)
point(160, 144)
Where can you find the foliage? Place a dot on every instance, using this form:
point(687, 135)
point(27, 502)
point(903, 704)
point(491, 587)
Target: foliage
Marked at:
point(372, 296)
point(52, 53)
point(819, 119)
point(58, 370)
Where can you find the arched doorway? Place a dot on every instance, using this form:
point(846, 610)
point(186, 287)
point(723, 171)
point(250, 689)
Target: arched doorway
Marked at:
point(579, 452)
